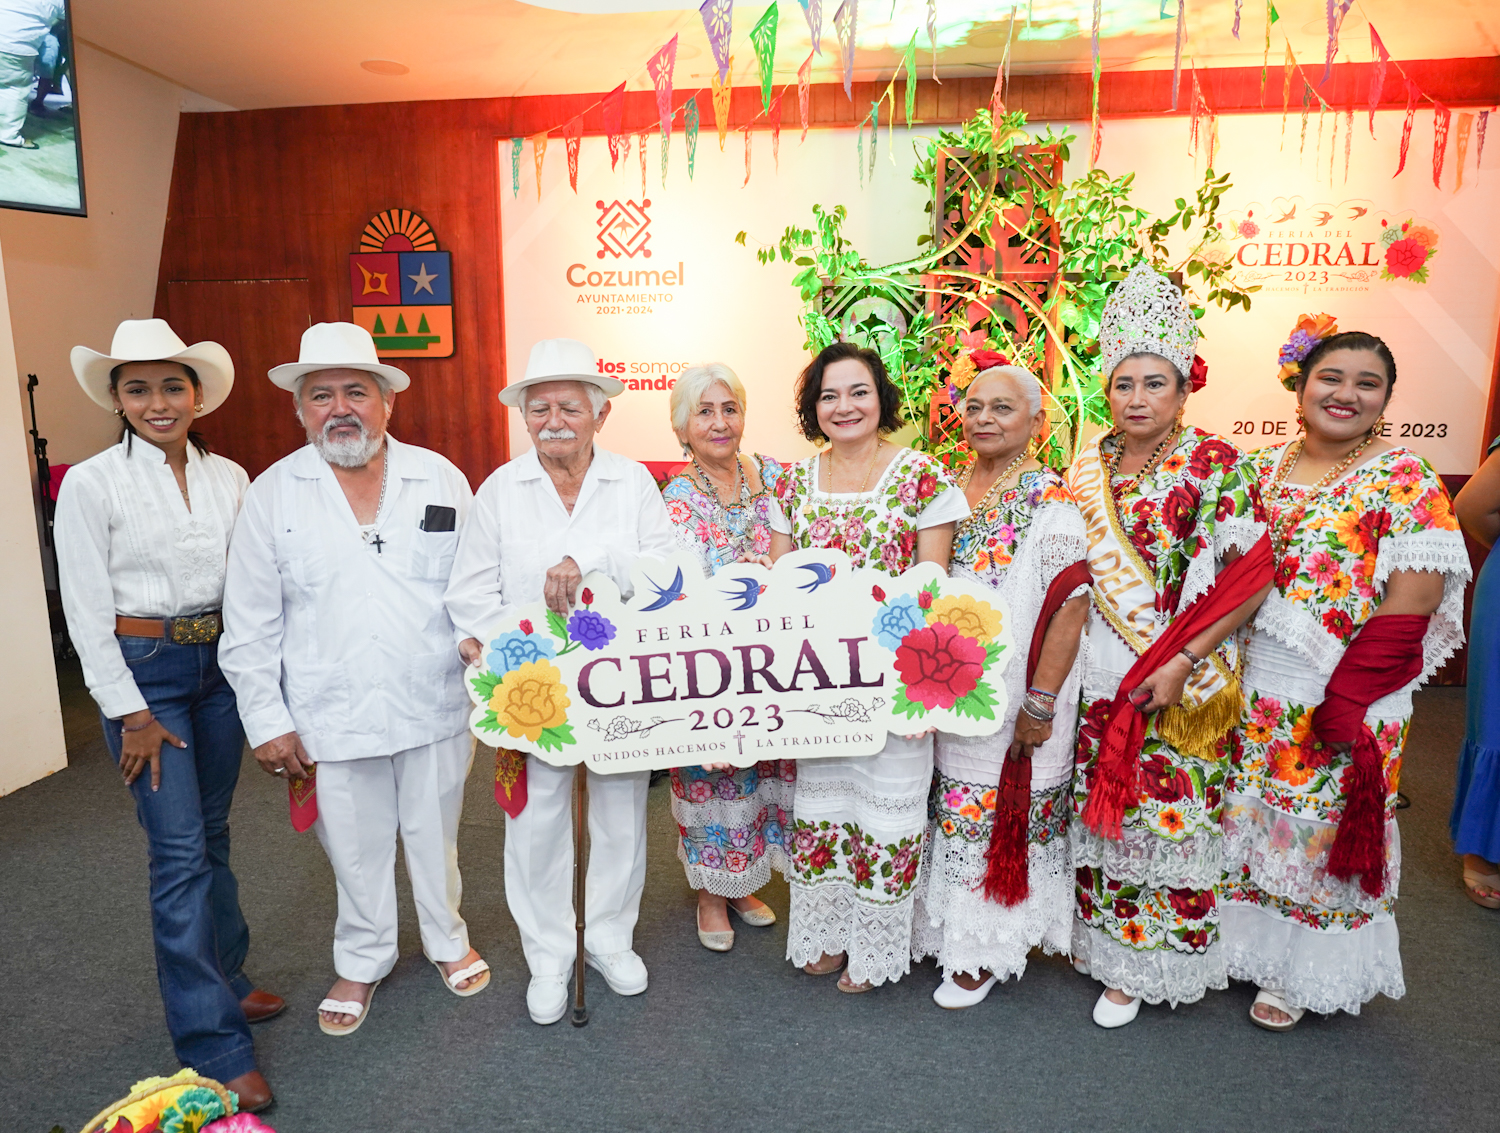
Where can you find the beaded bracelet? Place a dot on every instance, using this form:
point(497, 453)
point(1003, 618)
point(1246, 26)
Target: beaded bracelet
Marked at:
point(1037, 711)
point(1043, 695)
point(139, 727)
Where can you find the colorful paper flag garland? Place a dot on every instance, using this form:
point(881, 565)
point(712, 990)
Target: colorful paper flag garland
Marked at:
point(538, 153)
point(1177, 50)
point(910, 63)
point(612, 106)
point(1411, 110)
point(845, 23)
point(932, 36)
point(813, 10)
point(1440, 121)
point(1096, 126)
point(718, 23)
point(1377, 74)
point(572, 139)
point(804, 91)
point(515, 167)
point(690, 130)
point(763, 40)
point(1465, 127)
point(776, 130)
point(660, 67)
point(722, 93)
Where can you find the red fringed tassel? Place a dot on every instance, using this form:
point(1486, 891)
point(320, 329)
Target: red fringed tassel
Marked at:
point(1007, 876)
point(1359, 844)
point(1116, 784)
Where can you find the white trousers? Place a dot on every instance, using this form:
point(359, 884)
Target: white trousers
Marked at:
point(362, 805)
point(539, 865)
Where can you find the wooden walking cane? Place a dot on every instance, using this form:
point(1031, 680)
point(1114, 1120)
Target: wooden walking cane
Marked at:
point(580, 819)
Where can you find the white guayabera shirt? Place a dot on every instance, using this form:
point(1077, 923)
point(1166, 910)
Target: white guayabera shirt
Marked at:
point(520, 529)
point(127, 544)
point(337, 637)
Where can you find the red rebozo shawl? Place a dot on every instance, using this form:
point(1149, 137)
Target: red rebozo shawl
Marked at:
point(1117, 775)
point(1385, 655)
point(1006, 879)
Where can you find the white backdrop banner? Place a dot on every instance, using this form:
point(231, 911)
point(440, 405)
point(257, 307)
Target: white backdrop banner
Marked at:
point(655, 283)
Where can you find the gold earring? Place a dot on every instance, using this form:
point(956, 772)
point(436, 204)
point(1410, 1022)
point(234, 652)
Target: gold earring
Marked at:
point(198, 408)
point(1379, 427)
point(120, 413)
point(1301, 420)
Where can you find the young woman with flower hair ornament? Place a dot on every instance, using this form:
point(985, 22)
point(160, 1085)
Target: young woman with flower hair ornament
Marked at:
point(1180, 560)
point(856, 844)
point(1367, 602)
point(731, 821)
point(998, 881)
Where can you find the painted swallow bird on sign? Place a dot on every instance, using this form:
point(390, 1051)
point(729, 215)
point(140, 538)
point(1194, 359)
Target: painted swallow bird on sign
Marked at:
point(748, 594)
point(821, 573)
point(665, 596)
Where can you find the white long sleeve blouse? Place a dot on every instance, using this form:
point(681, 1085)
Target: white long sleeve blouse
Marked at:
point(127, 544)
point(343, 641)
point(520, 529)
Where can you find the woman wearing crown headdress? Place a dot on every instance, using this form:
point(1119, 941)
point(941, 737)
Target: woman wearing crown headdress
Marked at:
point(1367, 603)
point(998, 881)
point(1180, 560)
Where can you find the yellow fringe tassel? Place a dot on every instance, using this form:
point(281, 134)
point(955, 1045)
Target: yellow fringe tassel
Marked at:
point(1198, 731)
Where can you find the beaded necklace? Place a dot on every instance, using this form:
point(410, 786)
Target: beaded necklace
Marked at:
point(1112, 463)
point(990, 496)
point(1284, 523)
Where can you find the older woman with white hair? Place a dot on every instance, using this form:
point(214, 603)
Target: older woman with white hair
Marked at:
point(730, 820)
point(999, 880)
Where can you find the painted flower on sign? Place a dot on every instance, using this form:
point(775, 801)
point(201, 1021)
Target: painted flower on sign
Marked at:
point(592, 631)
point(531, 700)
point(896, 619)
point(940, 665)
point(512, 650)
point(970, 616)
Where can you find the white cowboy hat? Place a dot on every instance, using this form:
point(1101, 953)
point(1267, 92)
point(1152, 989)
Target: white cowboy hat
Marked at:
point(560, 360)
point(336, 346)
point(152, 340)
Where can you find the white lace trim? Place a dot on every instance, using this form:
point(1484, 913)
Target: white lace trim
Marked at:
point(1155, 975)
point(770, 792)
point(723, 883)
point(830, 918)
point(1235, 533)
point(1323, 972)
point(1286, 870)
point(1297, 628)
point(903, 810)
point(1146, 859)
point(968, 933)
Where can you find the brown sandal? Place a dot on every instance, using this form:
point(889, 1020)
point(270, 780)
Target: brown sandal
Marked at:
point(849, 987)
point(827, 964)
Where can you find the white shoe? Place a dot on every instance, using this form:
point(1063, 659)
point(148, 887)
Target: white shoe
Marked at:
point(1274, 999)
point(1081, 966)
point(1109, 1014)
point(950, 995)
point(623, 971)
point(547, 998)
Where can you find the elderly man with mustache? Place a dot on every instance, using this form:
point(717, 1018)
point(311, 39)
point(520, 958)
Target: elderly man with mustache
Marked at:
point(340, 650)
point(540, 524)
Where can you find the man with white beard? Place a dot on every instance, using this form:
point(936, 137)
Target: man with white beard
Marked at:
point(341, 653)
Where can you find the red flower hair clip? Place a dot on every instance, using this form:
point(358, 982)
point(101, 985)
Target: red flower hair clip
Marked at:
point(1198, 376)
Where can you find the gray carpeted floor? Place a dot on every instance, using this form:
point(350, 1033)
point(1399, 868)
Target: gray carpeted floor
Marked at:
point(719, 1041)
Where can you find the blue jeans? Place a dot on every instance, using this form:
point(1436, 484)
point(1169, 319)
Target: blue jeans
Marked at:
point(200, 934)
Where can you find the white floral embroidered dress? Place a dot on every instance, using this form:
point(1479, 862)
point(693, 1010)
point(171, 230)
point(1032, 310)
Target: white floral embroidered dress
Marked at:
point(858, 823)
point(1017, 547)
point(1320, 942)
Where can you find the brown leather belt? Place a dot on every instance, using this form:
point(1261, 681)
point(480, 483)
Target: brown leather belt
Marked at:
point(200, 629)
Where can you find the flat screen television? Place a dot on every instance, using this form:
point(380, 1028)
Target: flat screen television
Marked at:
point(41, 158)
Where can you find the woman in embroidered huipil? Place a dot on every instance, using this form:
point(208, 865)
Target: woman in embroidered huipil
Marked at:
point(1367, 603)
point(1179, 561)
point(142, 540)
point(858, 822)
point(730, 821)
point(988, 896)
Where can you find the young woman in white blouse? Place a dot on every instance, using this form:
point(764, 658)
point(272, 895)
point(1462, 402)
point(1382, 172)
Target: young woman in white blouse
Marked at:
point(142, 537)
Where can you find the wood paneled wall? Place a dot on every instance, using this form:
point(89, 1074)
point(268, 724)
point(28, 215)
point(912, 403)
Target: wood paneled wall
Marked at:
point(267, 204)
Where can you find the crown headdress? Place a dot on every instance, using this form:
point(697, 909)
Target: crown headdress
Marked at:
point(1147, 314)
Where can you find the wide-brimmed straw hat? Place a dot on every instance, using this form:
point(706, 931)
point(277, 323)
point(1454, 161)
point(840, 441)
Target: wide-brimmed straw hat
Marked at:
point(152, 340)
point(336, 346)
point(560, 360)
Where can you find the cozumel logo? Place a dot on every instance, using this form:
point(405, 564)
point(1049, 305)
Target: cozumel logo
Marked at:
point(624, 229)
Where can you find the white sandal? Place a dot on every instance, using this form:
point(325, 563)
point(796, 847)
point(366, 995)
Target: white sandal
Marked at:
point(1273, 999)
point(345, 1007)
point(453, 979)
